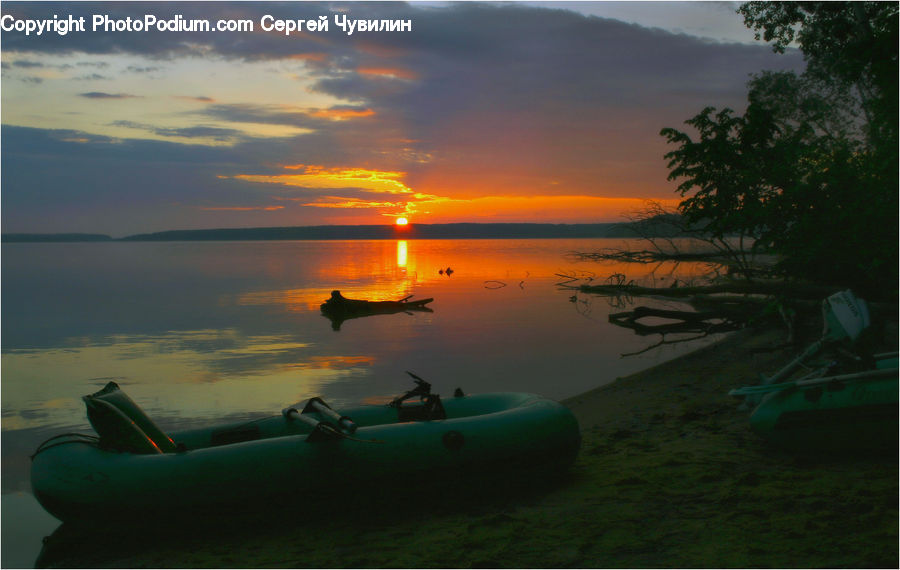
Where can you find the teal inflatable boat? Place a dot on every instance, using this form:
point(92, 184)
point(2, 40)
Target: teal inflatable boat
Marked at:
point(134, 467)
point(847, 412)
point(847, 402)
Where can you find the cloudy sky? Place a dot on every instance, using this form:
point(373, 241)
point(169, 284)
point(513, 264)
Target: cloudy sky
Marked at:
point(482, 112)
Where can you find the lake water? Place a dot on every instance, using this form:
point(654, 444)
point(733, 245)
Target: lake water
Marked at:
point(199, 332)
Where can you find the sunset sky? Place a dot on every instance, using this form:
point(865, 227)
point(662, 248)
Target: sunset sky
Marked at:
point(483, 112)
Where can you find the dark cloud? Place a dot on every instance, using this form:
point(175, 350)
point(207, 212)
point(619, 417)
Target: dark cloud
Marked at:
point(70, 179)
point(19, 142)
point(216, 133)
point(142, 69)
point(255, 113)
point(27, 64)
point(92, 77)
point(318, 119)
point(102, 95)
point(198, 99)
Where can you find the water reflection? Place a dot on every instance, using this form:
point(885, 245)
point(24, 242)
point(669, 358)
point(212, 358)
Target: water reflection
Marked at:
point(167, 372)
point(250, 326)
point(401, 253)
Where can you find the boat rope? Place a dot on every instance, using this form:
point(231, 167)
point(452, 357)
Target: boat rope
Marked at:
point(92, 440)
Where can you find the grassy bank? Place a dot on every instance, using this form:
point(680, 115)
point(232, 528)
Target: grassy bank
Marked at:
point(669, 475)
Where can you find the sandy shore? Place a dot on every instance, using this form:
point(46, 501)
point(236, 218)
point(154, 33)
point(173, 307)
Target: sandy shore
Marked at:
point(669, 475)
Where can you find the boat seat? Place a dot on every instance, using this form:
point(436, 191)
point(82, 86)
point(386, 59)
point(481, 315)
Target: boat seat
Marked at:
point(122, 425)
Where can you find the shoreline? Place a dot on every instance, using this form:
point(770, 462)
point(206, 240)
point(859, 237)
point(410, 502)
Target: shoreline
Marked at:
point(669, 475)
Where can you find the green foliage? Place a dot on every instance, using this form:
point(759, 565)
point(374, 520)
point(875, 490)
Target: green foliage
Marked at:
point(810, 170)
point(848, 43)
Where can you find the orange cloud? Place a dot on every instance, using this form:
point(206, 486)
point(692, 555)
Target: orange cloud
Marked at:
point(350, 203)
point(575, 208)
point(340, 362)
point(342, 114)
point(392, 72)
point(427, 208)
point(315, 176)
point(308, 56)
point(381, 49)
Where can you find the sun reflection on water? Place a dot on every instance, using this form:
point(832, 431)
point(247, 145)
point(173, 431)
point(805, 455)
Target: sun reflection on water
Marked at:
point(392, 275)
point(393, 270)
point(401, 253)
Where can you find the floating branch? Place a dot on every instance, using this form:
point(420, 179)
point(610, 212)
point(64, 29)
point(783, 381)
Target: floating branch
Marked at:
point(808, 291)
point(644, 256)
point(663, 341)
point(568, 279)
point(706, 322)
point(494, 284)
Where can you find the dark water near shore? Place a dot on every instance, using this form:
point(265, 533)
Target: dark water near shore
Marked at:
point(196, 332)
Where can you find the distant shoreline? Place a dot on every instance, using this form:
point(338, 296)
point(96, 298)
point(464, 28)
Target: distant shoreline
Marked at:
point(413, 231)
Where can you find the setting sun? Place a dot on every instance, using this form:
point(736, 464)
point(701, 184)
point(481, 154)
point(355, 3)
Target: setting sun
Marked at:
point(402, 221)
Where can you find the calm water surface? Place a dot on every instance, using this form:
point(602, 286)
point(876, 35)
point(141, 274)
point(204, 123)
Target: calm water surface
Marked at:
point(201, 332)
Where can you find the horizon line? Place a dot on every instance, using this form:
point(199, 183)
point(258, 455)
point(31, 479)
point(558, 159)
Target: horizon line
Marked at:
point(448, 230)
